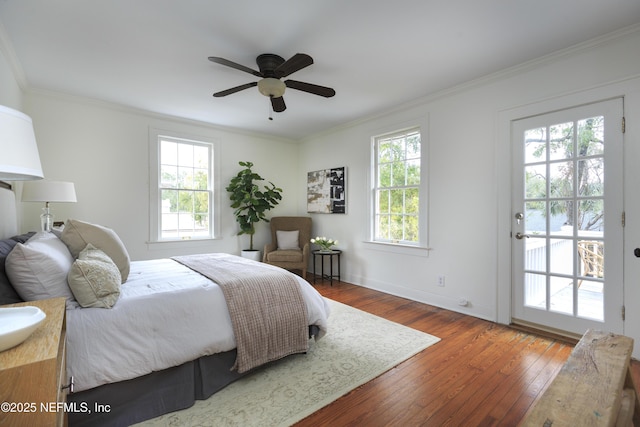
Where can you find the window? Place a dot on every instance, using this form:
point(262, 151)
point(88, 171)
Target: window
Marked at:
point(396, 190)
point(183, 204)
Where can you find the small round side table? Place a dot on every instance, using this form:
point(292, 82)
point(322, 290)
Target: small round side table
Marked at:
point(331, 254)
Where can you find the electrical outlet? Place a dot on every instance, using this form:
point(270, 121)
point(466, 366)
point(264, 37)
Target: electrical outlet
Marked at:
point(441, 281)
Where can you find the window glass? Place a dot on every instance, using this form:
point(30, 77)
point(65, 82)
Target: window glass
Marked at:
point(396, 194)
point(184, 189)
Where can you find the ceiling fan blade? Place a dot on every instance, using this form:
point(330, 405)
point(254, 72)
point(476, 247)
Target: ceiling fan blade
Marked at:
point(231, 64)
point(235, 89)
point(327, 92)
point(278, 104)
point(293, 64)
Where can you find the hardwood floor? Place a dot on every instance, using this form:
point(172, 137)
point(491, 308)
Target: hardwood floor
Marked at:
point(479, 374)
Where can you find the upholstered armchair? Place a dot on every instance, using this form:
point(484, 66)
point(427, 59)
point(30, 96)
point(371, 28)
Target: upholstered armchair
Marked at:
point(289, 247)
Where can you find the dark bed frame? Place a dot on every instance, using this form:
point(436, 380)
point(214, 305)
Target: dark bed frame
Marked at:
point(132, 401)
point(158, 393)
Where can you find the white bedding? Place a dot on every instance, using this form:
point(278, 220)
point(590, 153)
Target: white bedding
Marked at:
point(145, 330)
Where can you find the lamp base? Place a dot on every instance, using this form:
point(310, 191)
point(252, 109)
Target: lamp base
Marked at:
point(46, 219)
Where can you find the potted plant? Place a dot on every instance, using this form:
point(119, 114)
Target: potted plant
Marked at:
point(251, 203)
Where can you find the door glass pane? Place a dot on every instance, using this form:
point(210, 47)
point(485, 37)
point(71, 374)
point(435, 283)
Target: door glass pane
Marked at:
point(535, 290)
point(560, 217)
point(591, 218)
point(591, 177)
point(535, 217)
point(535, 254)
point(535, 182)
point(535, 145)
point(561, 294)
point(591, 136)
point(590, 299)
point(561, 179)
point(591, 253)
point(561, 256)
point(561, 141)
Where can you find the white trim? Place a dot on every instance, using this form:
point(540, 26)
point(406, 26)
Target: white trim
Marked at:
point(421, 123)
point(398, 248)
point(451, 303)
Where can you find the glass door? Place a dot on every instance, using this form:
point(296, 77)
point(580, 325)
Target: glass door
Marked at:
point(567, 218)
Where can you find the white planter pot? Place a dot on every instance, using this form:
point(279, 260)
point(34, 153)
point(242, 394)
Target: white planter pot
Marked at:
point(253, 255)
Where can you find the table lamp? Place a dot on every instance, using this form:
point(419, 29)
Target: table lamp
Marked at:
point(48, 192)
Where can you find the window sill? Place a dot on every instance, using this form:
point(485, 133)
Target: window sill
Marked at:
point(420, 251)
point(190, 243)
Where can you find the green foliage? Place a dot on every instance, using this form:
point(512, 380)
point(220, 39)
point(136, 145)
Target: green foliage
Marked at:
point(249, 201)
point(580, 166)
point(186, 190)
point(398, 184)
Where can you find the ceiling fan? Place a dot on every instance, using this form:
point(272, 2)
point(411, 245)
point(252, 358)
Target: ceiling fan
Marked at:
point(273, 68)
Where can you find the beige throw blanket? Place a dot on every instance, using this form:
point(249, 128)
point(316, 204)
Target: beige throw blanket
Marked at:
point(268, 312)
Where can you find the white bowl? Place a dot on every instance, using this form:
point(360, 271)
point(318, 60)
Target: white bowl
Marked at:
point(17, 324)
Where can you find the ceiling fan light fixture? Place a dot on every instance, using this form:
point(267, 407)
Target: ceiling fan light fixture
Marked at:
point(271, 87)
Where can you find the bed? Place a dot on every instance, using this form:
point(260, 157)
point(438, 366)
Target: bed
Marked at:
point(169, 333)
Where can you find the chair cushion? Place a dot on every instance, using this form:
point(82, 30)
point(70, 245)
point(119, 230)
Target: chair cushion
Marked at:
point(290, 255)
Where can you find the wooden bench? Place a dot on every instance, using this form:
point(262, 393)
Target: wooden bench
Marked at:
point(593, 388)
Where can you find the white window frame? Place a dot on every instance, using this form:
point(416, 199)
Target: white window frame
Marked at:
point(155, 202)
point(419, 248)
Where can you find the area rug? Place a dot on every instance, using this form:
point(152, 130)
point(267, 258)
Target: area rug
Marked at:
point(358, 347)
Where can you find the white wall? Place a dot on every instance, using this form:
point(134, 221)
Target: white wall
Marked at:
point(104, 150)
point(469, 174)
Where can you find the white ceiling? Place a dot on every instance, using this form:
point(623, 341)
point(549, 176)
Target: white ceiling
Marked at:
point(152, 54)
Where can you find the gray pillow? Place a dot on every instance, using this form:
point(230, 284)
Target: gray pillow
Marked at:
point(8, 294)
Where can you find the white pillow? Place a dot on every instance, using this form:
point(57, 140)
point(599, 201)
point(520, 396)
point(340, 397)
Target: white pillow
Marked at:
point(94, 279)
point(78, 234)
point(38, 269)
point(287, 240)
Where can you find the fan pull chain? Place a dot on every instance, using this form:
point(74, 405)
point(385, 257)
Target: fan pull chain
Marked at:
point(270, 110)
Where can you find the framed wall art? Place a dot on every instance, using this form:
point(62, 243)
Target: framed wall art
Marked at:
point(327, 191)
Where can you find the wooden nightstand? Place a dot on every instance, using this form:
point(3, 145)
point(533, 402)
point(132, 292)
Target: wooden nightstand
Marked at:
point(33, 374)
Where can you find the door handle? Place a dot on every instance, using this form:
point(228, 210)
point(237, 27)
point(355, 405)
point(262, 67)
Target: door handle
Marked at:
point(521, 236)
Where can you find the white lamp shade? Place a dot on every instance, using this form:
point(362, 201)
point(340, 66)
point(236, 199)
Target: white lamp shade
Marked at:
point(48, 191)
point(19, 158)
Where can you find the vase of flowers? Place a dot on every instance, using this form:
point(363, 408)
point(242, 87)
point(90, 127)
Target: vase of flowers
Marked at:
point(324, 243)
